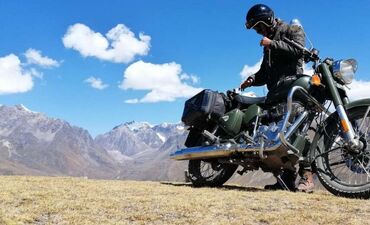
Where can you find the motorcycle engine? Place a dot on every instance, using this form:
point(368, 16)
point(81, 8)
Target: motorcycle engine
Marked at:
point(272, 121)
point(269, 132)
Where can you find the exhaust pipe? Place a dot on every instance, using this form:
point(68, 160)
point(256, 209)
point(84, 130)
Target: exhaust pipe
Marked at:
point(217, 151)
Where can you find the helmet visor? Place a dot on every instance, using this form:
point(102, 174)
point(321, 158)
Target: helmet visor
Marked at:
point(268, 22)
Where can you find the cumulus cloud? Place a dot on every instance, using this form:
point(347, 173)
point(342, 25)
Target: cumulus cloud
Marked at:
point(34, 72)
point(119, 45)
point(194, 79)
point(165, 82)
point(96, 83)
point(13, 79)
point(249, 70)
point(359, 89)
point(34, 56)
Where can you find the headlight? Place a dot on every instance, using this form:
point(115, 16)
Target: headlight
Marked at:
point(345, 70)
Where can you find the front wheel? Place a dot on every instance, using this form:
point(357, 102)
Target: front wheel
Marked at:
point(342, 172)
point(210, 173)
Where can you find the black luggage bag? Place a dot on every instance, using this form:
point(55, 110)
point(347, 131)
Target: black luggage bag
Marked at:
point(207, 104)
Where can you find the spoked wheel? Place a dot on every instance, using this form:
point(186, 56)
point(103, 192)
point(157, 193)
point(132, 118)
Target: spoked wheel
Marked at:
point(342, 171)
point(210, 173)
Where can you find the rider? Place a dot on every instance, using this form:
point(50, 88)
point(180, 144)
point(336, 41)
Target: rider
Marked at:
point(280, 61)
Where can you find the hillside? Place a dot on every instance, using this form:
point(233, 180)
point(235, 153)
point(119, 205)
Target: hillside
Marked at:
point(31, 143)
point(63, 200)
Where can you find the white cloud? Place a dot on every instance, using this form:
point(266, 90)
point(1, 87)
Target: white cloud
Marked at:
point(36, 73)
point(359, 89)
point(96, 83)
point(308, 70)
point(249, 70)
point(119, 45)
point(13, 79)
point(163, 81)
point(194, 79)
point(132, 101)
point(35, 57)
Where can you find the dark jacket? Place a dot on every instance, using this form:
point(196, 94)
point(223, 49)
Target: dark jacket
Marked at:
point(281, 59)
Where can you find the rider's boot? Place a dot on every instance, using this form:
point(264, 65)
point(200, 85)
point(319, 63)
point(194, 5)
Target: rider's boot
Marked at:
point(306, 182)
point(285, 181)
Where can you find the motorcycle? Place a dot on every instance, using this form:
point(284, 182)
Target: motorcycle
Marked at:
point(276, 132)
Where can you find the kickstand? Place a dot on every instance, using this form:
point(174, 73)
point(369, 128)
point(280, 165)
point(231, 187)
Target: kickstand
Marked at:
point(282, 183)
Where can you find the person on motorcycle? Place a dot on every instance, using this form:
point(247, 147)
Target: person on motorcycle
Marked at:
point(280, 61)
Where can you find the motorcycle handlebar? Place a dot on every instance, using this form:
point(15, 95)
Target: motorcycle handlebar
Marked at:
point(312, 55)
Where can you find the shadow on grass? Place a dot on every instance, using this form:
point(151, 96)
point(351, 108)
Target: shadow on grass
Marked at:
point(224, 187)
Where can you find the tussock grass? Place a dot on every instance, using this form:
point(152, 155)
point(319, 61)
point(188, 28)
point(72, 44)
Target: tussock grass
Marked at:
point(51, 200)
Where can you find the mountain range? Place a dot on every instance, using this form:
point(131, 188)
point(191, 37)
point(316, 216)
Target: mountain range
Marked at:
point(32, 143)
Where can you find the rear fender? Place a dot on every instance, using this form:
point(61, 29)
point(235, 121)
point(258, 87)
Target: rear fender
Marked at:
point(194, 138)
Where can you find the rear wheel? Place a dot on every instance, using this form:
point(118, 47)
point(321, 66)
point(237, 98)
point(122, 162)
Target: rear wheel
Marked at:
point(341, 171)
point(210, 173)
point(207, 172)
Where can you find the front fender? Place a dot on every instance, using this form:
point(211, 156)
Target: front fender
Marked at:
point(360, 102)
point(317, 142)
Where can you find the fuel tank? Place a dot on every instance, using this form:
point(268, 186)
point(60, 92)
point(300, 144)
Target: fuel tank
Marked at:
point(280, 92)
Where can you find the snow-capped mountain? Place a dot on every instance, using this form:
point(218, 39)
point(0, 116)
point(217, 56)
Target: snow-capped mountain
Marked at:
point(134, 138)
point(32, 143)
point(156, 164)
point(134, 126)
point(121, 141)
point(166, 130)
point(144, 132)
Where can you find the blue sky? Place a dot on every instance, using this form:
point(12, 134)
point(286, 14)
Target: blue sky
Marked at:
point(70, 59)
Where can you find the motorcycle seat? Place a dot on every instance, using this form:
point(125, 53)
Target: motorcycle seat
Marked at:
point(247, 100)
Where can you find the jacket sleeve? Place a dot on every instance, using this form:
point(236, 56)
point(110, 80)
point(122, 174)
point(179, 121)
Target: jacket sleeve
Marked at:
point(260, 77)
point(294, 33)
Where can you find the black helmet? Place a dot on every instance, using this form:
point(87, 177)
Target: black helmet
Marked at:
point(259, 13)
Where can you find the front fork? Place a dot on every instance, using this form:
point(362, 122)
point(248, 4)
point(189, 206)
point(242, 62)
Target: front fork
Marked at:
point(348, 132)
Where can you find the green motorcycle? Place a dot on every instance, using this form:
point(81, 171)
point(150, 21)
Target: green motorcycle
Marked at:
point(275, 132)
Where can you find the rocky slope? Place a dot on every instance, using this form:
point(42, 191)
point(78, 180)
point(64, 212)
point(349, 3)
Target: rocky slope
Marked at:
point(144, 150)
point(32, 143)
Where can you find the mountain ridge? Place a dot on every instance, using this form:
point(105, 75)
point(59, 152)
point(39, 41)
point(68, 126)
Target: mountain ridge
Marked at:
point(31, 143)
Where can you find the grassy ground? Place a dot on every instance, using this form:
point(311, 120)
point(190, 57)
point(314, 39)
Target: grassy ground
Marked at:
point(45, 200)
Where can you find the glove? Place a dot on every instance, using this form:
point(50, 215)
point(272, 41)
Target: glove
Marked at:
point(247, 83)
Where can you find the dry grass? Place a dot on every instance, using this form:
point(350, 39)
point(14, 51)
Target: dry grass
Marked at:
point(46, 200)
